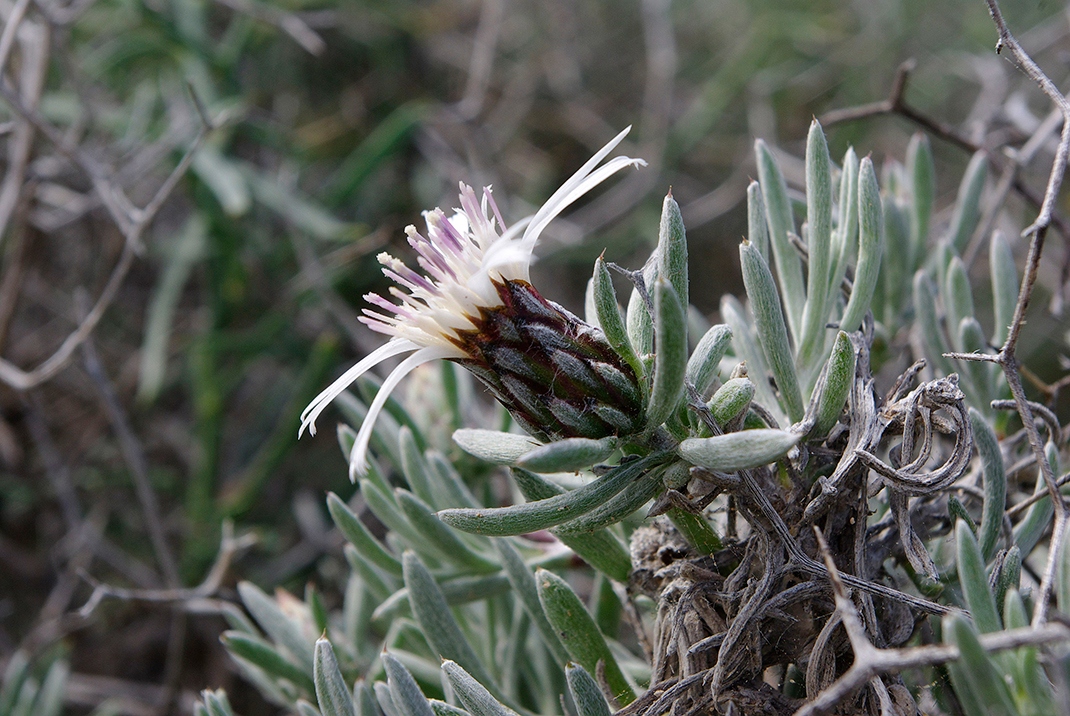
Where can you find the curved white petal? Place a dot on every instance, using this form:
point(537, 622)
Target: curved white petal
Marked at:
point(358, 457)
point(387, 350)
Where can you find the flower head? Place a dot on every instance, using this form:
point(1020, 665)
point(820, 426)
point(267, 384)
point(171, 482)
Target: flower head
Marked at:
point(475, 280)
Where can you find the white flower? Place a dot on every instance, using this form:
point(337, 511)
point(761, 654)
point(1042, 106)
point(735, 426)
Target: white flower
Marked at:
point(462, 257)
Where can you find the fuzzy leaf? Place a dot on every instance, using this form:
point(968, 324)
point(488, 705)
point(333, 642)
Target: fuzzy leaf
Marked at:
point(585, 692)
point(670, 361)
point(404, 692)
point(994, 482)
point(967, 204)
point(974, 581)
point(331, 691)
point(778, 211)
point(819, 247)
point(567, 455)
point(359, 536)
point(740, 450)
point(605, 305)
point(870, 247)
point(493, 446)
point(476, 699)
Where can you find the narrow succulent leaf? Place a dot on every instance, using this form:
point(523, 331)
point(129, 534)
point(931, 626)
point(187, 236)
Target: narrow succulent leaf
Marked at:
point(268, 658)
point(781, 221)
point(535, 516)
point(1004, 286)
point(758, 221)
point(590, 310)
point(967, 205)
point(523, 582)
point(475, 698)
point(958, 297)
point(839, 377)
point(922, 172)
point(979, 379)
point(740, 450)
point(454, 382)
point(696, 529)
point(436, 621)
point(332, 693)
point(216, 703)
point(845, 238)
point(1062, 576)
point(730, 400)
point(637, 317)
point(374, 580)
point(567, 455)
point(927, 323)
point(304, 708)
point(646, 488)
point(1035, 523)
point(672, 249)
point(608, 312)
point(670, 361)
point(704, 360)
point(819, 247)
point(579, 633)
point(887, 302)
point(979, 677)
point(585, 692)
point(440, 537)
point(994, 479)
point(404, 692)
point(1033, 691)
point(359, 536)
point(449, 483)
point(974, 581)
point(602, 550)
point(414, 467)
point(384, 700)
point(385, 507)
point(870, 247)
point(50, 698)
point(605, 605)
point(15, 673)
point(1009, 577)
point(747, 348)
point(282, 630)
point(441, 708)
point(957, 511)
point(316, 609)
point(460, 590)
point(772, 333)
point(493, 446)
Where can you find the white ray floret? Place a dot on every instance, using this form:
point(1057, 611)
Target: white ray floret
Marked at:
point(461, 258)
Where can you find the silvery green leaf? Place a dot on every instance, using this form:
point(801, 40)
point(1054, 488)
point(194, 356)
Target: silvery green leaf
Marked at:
point(888, 299)
point(436, 621)
point(590, 311)
point(359, 536)
point(974, 580)
point(384, 440)
point(1062, 575)
point(385, 507)
point(1008, 578)
point(283, 631)
point(1004, 286)
point(372, 578)
point(567, 455)
point(958, 298)
point(738, 451)
point(757, 221)
point(53, 690)
point(781, 221)
point(216, 703)
point(450, 486)
point(730, 400)
point(476, 699)
point(332, 694)
point(672, 249)
point(994, 482)
point(406, 695)
point(702, 365)
point(839, 377)
point(670, 361)
point(304, 708)
point(441, 708)
point(845, 238)
point(1035, 523)
point(384, 700)
point(601, 549)
point(819, 247)
point(439, 537)
point(585, 692)
point(870, 247)
point(922, 172)
point(414, 467)
point(460, 590)
point(14, 674)
point(978, 682)
point(534, 516)
point(605, 306)
point(772, 333)
point(927, 323)
point(646, 487)
point(579, 633)
point(637, 317)
point(967, 204)
point(979, 383)
point(523, 583)
point(493, 446)
point(747, 348)
point(957, 511)
point(264, 655)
